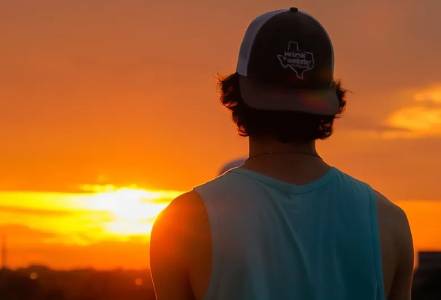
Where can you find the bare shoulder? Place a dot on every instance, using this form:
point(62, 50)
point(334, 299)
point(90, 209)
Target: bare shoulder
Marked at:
point(185, 205)
point(394, 219)
point(397, 248)
point(177, 221)
point(391, 213)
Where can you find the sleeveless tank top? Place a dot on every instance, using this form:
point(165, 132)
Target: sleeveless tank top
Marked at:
point(272, 239)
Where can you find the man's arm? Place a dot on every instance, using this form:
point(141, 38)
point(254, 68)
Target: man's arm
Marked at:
point(167, 252)
point(397, 249)
point(402, 283)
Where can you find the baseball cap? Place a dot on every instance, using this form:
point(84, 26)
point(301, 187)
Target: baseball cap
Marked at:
point(286, 62)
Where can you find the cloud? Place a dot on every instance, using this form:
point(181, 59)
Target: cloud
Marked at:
point(431, 95)
point(420, 118)
point(39, 211)
point(24, 235)
point(29, 246)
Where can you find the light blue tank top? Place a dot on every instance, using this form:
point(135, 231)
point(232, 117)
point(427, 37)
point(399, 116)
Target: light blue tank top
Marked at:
point(275, 240)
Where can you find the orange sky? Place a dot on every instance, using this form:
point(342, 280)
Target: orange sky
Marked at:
point(123, 93)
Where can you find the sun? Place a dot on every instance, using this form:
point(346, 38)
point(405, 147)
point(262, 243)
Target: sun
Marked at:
point(132, 211)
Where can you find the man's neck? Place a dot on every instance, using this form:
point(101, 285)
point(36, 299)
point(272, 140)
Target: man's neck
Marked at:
point(293, 162)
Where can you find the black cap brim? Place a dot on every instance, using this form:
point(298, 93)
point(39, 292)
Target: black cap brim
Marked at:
point(271, 97)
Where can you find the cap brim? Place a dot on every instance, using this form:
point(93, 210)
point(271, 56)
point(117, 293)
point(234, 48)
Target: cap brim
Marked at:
point(270, 97)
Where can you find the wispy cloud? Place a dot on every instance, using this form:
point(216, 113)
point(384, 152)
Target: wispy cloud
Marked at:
point(29, 246)
point(24, 234)
point(420, 118)
point(40, 212)
point(431, 95)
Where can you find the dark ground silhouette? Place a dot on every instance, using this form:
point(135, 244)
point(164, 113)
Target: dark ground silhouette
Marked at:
point(41, 283)
point(427, 279)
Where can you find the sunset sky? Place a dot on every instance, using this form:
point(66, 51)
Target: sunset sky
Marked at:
point(109, 109)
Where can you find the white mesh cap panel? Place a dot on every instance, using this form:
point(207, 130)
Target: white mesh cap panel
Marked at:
point(249, 37)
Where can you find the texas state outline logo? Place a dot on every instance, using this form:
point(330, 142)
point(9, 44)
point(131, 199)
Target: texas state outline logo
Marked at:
point(297, 60)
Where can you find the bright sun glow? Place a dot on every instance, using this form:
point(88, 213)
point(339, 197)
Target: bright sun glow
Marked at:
point(133, 210)
point(99, 213)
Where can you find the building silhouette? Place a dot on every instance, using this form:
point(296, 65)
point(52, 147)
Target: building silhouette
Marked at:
point(4, 253)
point(427, 277)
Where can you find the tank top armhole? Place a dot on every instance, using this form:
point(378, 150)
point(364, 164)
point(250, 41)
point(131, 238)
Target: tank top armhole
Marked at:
point(215, 244)
point(376, 244)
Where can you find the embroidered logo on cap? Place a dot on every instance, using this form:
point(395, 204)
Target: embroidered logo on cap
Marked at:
point(297, 60)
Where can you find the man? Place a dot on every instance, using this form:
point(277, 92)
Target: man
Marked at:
point(285, 224)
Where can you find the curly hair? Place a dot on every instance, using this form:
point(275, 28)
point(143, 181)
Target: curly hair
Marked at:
point(285, 126)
